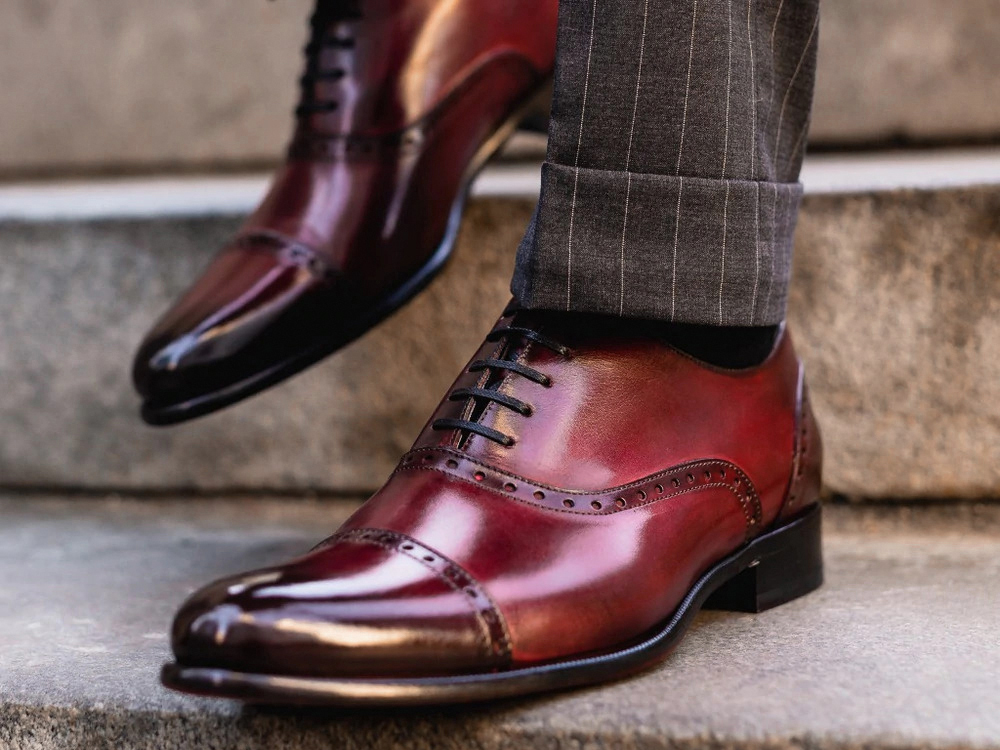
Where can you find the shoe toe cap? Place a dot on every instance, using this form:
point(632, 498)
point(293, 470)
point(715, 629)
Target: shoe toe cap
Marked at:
point(353, 609)
point(240, 317)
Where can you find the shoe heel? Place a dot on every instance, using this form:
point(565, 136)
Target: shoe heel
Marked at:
point(786, 564)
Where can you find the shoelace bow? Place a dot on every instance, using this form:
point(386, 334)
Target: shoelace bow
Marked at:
point(322, 37)
point(490, 395)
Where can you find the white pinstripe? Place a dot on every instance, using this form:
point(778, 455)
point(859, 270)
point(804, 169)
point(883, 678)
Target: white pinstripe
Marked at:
point(753, 96)
point(774, 216)
point(756, 278)
point(687, 89)
point(786, 201)
point(774, 29)
point(729, 88)
point(798, 141)
point(576, 164)
point(791, 84)
point(628, 156)
point(677, 234)
point(680, 153)
point(753, 157)
point(725, 162)
point(725, 231)
point(621, 294)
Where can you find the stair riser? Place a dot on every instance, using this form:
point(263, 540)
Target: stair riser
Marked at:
point(896, 308)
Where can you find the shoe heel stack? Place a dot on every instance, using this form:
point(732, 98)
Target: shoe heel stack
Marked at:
point(787, 565)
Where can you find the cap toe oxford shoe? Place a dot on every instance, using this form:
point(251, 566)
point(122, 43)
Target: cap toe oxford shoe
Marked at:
point(575, 500)
point(402, 103)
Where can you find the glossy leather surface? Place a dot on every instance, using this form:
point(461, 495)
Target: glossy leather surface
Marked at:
point(402, 102)
point(634, 469)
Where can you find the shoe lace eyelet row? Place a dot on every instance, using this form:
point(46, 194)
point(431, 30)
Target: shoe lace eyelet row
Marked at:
point(494, 396)
point(322, 37)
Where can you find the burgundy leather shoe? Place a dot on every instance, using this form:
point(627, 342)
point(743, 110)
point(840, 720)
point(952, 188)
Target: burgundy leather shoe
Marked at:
point(575, 500)
point(403, 102)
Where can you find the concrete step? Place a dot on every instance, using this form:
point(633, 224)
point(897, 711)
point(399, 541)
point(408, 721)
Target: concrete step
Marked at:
point(141, 85)
point(897, 650)
point(896, 308)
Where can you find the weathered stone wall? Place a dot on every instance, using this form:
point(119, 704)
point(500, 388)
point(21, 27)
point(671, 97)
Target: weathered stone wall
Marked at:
point(141, 84)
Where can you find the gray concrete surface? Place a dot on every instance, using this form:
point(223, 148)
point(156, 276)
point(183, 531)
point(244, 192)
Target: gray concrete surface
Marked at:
point(138, 84)
point(907, 69)
point(897, 650)
point(896, 306)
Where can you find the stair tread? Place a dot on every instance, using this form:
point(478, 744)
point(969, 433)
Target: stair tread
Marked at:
point(899, 647)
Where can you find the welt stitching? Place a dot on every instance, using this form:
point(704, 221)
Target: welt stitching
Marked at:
point(362, 535)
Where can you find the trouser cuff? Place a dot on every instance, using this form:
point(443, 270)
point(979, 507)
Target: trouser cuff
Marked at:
point(684, 249)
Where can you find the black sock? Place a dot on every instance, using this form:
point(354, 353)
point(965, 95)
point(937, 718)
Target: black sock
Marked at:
point(732, 347)
point(723, 346)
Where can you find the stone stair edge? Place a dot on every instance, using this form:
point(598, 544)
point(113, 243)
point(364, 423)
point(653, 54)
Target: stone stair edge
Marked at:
point(197, 195)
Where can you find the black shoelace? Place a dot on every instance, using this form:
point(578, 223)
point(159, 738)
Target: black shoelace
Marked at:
point(322, 37)
point(485, 395)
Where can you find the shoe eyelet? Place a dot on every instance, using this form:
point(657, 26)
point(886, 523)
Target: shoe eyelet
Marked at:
point(569, 503)
point(620, 502)
point(539, 495)
point(510, 487)
point(452, 463)
point(659, 489)
point(642, 494)
point(596, 505)
point(479, 476)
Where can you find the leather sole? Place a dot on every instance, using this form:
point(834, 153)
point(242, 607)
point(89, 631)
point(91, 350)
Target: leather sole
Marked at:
point(160, 414)
point(773, 569)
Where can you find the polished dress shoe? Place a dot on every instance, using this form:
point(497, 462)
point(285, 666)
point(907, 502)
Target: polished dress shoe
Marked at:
point(575, 500)
point(403, 102)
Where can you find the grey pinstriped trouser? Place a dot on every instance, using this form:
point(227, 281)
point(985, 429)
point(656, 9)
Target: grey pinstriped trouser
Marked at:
point(670, 188)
